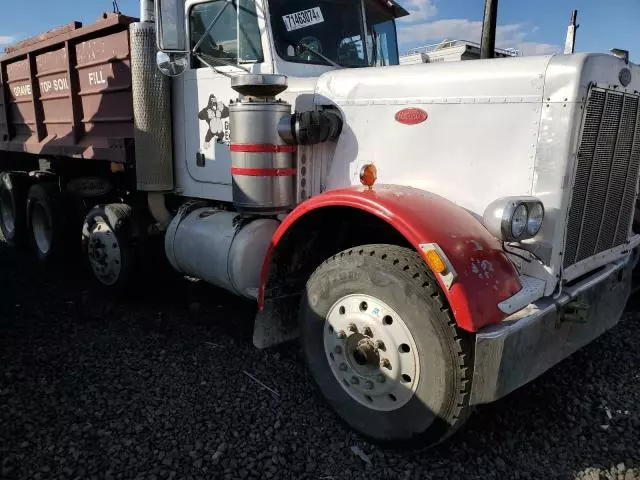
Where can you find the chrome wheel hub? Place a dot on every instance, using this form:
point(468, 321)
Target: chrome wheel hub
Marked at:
point(371, 352)
point(41, 228)
point(7, 215)
point(104, 253)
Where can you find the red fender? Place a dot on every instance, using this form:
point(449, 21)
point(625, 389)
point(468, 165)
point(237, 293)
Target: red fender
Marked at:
point(485, 278)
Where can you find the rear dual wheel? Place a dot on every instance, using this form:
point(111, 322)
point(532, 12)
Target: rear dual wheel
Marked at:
point(107, 244)
point(383, 348)
point(33, 213)
point(13, 199)
point(46, 220)
point(37, 213)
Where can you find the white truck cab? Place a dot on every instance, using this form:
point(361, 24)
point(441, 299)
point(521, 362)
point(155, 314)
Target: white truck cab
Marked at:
point(242, 37)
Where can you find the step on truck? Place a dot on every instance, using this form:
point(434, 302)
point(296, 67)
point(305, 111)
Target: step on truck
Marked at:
point(435, 235)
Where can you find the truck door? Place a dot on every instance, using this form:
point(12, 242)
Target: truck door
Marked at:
point(207, 92)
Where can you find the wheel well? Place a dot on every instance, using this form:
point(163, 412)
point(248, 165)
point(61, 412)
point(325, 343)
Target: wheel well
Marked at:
point(324, 232)
point(311, 240)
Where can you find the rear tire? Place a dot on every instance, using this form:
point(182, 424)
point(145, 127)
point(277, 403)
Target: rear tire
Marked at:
point(107, 243)
point(45, 220)
point(13, 207)
point(383, 348)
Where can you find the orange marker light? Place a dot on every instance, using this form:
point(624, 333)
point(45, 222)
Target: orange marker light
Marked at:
point(368, 175)
point(117, 167)
point(435, 262)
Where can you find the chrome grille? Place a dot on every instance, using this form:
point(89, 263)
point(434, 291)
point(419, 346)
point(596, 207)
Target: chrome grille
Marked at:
point(602, 203)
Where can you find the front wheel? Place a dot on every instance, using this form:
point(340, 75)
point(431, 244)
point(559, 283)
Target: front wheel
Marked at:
point(383, 348)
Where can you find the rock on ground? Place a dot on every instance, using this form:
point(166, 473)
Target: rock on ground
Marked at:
point(152, 386)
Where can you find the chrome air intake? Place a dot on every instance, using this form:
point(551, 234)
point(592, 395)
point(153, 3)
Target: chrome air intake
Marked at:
point(262, 164)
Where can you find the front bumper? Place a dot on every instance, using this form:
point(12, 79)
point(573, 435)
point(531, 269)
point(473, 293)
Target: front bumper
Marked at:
point(533, 340)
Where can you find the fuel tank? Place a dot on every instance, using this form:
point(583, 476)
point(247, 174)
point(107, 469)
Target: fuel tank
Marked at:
point(220, 247)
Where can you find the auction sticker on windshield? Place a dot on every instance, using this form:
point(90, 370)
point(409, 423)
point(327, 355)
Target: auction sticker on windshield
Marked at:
point(303, 19)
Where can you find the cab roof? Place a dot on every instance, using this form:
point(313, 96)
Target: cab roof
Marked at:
point(397, 9)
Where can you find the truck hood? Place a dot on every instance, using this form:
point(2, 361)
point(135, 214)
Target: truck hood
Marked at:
point(476, 143)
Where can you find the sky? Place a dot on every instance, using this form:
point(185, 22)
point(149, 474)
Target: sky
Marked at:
point(532, 26)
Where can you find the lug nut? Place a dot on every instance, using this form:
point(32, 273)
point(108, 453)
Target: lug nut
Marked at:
point(342, 335)
point(381, 378)
point(380, 346)
point(369, 385)
point(367, 332)
point(385, 363)
point(353, 328)
point(355, 380)
point(343, 367)
point(338, 350)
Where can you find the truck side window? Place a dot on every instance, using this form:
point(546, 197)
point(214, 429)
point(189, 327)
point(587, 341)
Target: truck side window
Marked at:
point(222, 44)
point(381, 35)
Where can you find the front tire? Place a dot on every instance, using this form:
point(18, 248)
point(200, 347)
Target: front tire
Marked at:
point(383, 348)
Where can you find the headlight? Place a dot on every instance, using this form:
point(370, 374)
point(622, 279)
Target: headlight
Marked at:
point(514, 218)
point(534, 220)
point(519, 220)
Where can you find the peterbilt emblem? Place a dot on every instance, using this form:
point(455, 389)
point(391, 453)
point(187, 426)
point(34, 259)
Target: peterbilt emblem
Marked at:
point(625, 77)
point(411, 116)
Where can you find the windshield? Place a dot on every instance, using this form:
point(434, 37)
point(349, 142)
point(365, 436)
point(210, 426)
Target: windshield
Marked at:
point(305, 31)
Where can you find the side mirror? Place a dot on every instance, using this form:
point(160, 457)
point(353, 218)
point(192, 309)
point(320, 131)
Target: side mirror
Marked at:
point(172, 64)
point(170, 33)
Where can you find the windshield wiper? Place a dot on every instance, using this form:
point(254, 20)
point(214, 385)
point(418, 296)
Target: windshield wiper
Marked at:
point(201, 57)
point(323, 57)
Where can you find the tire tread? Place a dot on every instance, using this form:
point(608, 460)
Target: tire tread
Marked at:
point(410, 262)
point(17, 184)
point(48, 192)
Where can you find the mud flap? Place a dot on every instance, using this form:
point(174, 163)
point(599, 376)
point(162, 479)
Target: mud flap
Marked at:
point(277, 322)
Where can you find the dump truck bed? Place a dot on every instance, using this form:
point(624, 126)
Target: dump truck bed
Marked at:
point(67, 92)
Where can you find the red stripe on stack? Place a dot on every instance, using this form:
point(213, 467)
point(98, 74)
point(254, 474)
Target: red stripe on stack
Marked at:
point(263, 172)
point(265, 148)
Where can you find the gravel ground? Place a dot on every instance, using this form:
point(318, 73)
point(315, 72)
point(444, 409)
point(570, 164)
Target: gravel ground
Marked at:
point(156, 388)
